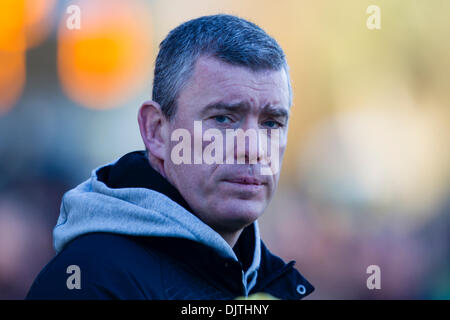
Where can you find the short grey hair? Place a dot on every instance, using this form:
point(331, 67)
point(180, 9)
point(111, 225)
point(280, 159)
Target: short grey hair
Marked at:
point(226, 37)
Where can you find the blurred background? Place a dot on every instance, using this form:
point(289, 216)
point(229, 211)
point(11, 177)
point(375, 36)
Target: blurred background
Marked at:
point(366, 176)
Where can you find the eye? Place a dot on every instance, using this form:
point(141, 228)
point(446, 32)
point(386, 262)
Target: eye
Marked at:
point(272, 124)
point(222, 119)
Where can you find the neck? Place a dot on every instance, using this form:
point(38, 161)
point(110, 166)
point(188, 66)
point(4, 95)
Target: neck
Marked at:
point(231, 237)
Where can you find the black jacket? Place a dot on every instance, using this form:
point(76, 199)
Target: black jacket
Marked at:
point(119, 266)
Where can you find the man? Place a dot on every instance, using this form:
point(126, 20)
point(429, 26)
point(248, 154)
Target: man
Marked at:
point(151, 227)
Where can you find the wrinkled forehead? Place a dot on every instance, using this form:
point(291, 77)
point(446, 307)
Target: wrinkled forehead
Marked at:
point(215, 81)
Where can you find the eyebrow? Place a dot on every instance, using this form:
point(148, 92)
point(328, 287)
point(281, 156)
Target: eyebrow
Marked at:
point(277, 112)
point(222, 106)
point(242, 106)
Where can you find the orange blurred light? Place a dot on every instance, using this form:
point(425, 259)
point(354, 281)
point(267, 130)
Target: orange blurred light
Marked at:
point(109, 57)
point(12, 78)
point(24, 23)
point(12, 21)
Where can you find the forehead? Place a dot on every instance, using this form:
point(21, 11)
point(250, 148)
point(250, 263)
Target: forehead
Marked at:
point(215, 81)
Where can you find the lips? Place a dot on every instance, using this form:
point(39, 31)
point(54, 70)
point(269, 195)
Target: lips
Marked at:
point(246, 180)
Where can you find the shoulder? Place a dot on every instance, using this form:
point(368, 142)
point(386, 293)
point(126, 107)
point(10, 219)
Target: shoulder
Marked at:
point(92, 248)
point(97, 266)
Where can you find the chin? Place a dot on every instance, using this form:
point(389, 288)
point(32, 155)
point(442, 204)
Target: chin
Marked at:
point(236, 214)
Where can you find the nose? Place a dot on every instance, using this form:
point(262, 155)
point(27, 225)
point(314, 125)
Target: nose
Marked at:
point(249, 146)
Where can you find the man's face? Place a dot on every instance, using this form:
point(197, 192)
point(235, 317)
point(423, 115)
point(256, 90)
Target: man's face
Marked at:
point(228, 197)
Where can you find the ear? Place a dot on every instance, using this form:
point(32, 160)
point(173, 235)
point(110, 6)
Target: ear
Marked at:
point(153, 126)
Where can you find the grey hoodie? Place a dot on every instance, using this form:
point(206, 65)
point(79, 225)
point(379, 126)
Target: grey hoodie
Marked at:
point(94, 207)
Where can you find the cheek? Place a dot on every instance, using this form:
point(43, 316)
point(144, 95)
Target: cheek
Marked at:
point(194, 180)
point(282, 148)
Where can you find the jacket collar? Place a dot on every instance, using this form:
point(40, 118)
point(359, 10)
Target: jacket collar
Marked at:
point(281, 279)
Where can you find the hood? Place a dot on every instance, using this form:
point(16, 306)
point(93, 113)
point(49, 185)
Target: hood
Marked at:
point(129, 197)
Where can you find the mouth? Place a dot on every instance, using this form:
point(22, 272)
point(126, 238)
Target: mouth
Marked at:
point(246, 181)
point(245, 186)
